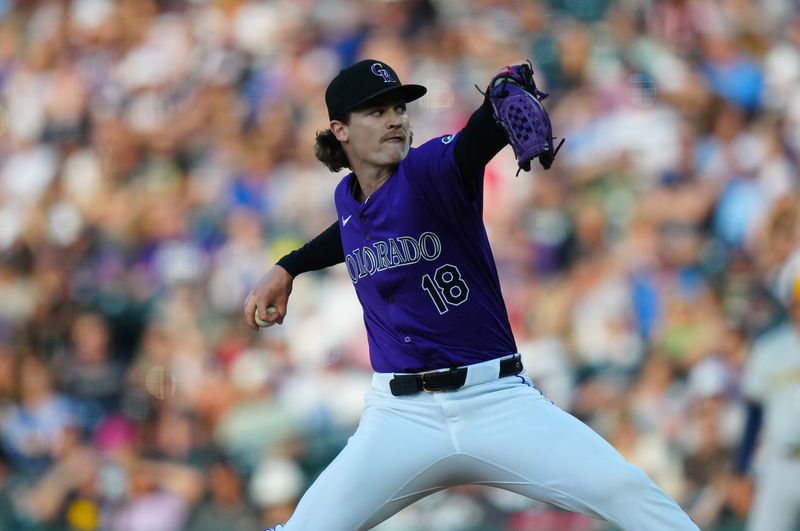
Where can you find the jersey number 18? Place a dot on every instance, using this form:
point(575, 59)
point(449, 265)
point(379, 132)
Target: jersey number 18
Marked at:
point(446, 287)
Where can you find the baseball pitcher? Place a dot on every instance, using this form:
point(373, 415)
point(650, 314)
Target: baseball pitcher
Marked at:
point(450, 403)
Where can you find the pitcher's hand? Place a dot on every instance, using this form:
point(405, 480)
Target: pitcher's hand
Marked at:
point(272, 289)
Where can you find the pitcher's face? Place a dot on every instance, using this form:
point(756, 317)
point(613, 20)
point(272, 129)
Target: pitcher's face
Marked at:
point(377, 135)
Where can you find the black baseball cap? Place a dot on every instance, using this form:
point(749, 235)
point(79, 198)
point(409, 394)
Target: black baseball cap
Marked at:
point(361, 83)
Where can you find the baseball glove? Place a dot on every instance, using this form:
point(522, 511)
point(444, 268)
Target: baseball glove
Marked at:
point(517, 106)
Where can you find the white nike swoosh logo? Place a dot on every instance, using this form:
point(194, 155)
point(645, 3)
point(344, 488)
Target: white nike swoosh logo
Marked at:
point(345, 220)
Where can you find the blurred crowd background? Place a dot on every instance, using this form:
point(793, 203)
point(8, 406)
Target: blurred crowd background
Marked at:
point(156, 159)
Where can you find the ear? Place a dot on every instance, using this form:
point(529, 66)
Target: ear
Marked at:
point(340, 131)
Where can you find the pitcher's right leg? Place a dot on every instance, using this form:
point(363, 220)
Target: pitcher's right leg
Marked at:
point(381, 469)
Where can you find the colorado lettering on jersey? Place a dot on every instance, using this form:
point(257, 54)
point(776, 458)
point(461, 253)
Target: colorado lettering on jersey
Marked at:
point(381, 255)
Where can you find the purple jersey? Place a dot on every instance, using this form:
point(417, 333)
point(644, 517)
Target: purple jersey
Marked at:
point(419, 258)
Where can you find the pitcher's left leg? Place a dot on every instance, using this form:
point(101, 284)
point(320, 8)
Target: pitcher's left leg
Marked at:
point(547, 454)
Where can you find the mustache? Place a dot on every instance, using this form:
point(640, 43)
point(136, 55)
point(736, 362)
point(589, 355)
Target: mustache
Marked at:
point(399, 135)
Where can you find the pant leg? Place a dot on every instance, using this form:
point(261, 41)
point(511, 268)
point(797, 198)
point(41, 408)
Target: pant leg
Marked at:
point(384, 467)
point(776, 506)
point(538, 450)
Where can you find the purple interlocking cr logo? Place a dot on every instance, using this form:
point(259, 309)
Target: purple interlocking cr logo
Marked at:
point(379, 70)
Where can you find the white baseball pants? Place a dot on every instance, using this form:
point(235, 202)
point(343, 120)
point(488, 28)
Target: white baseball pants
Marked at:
point(776, 506)
point(498, 432)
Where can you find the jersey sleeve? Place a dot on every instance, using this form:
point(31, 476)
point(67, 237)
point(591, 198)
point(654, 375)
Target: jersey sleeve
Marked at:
point(480, 140)
point(433, 171)
point(325, 250)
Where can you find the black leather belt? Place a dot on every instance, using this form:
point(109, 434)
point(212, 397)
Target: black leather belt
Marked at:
point(445, 380)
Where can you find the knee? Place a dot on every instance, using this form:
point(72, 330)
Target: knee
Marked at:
point(626, 481)
point(635, 477)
